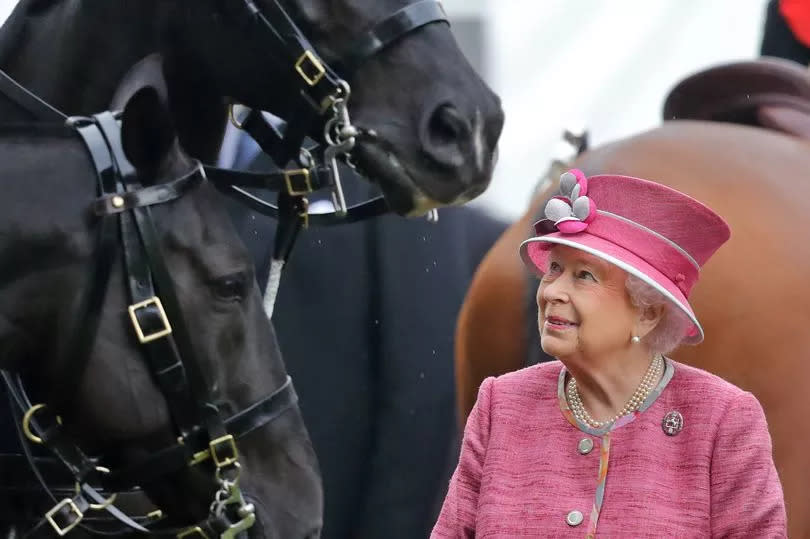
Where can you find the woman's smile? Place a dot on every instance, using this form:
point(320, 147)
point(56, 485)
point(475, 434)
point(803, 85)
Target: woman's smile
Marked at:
point(558, 323)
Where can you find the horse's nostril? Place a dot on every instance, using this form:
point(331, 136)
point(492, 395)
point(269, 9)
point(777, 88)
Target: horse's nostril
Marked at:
point(446, 135)
point(446, 125)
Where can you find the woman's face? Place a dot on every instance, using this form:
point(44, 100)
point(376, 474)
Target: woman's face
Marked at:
point(583, 306)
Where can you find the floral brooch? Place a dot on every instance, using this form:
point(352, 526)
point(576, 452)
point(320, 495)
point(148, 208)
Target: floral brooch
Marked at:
point(570, 212)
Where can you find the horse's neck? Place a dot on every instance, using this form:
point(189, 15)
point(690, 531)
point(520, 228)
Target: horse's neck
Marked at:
point(75, 53)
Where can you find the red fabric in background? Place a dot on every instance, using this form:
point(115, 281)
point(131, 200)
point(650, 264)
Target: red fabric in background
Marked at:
point(797, 16)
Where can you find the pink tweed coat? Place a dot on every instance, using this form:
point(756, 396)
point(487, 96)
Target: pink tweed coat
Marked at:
point(529, 469)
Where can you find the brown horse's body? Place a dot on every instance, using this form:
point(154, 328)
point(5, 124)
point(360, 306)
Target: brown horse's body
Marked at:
point(753, 297)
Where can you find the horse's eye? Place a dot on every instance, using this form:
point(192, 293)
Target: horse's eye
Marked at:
point(230, 287)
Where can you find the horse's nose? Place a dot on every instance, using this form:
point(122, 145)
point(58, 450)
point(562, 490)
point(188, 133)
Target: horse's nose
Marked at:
point(446, 135)
point(457, 137)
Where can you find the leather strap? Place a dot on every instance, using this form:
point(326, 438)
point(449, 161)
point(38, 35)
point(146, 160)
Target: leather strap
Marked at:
point(273, 30)
point(301, 183)
point(387, 31)
point(178, 456)
point(112, 204)
point(359, 212)
point(35, 106)
point(65, 513)
point(163, 354)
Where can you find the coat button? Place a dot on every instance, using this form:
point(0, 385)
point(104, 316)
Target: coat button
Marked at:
point(574, 518)
point(585, 446)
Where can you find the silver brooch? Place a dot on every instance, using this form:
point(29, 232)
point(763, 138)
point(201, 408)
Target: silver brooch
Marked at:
point(672, 423)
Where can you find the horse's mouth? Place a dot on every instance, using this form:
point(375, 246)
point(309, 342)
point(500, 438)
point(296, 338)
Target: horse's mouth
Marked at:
point(381, 166)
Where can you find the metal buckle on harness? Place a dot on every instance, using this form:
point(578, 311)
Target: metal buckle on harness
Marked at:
point(72, 509)
point(230, 446)
point(167, 328)
point(248, 519)
point(298, 190)
point(310, 68)
point(194, 531)
point(106, 503)
point(26, 422)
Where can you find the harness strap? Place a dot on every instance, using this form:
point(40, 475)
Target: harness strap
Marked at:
point(387, 31)
point(293, 182)
point(182, 454)
point(112, 204)
point(359, 212)
point(274, 30)
point(85, 327)
point(35, 106)
point(66, 511)
point(149, 319)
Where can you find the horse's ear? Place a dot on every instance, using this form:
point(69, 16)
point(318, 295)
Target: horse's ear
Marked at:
point(147, 132)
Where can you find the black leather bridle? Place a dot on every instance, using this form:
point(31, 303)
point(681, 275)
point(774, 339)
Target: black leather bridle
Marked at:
point(321, 104)
point(205, 438)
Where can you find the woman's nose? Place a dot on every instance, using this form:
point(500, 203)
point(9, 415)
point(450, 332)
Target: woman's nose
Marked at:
point(550, 292)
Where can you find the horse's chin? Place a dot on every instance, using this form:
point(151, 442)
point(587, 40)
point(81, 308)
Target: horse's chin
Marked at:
point(401, 192)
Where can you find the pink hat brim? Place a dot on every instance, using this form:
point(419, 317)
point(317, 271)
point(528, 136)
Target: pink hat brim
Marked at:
point(535, 251)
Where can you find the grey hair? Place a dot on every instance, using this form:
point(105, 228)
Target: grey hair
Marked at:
point(671, 330)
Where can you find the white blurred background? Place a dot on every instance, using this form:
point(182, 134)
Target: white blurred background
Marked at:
point(602, 64)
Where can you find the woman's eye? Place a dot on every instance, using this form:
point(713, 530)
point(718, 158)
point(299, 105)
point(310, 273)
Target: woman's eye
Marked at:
point(230, 287)
point(554, 268)
point(586, 275)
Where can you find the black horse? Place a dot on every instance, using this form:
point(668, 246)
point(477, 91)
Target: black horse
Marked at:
point(429, 125)
point(437, 120)
point(113, 400)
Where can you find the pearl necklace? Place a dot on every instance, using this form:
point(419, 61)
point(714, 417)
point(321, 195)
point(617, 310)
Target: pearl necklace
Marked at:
point(648, 383)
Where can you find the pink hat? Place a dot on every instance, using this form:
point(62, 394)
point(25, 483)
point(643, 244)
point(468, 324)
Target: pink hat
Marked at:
point(660, 235)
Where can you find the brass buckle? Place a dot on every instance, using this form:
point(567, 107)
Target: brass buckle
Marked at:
point(231, 446)
point(243, 525)
point(167, 328)
point(310, 68)
point(106, 503)
point(26, 422)
point(69, 503)
point(194, 531)
point(232, 117)
point(290, 175)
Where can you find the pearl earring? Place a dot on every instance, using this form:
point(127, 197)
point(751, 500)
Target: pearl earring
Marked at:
point(636, 339)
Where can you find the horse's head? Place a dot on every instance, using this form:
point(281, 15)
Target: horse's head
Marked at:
point(434, 123)
point(117, 408)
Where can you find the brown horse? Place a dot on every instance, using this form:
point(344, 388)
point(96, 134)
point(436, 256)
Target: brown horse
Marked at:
point(754, 295)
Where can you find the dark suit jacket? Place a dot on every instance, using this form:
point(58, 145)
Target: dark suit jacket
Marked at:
point(365, 318)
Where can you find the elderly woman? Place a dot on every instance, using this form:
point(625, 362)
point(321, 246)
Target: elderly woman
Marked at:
point(615, 439)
